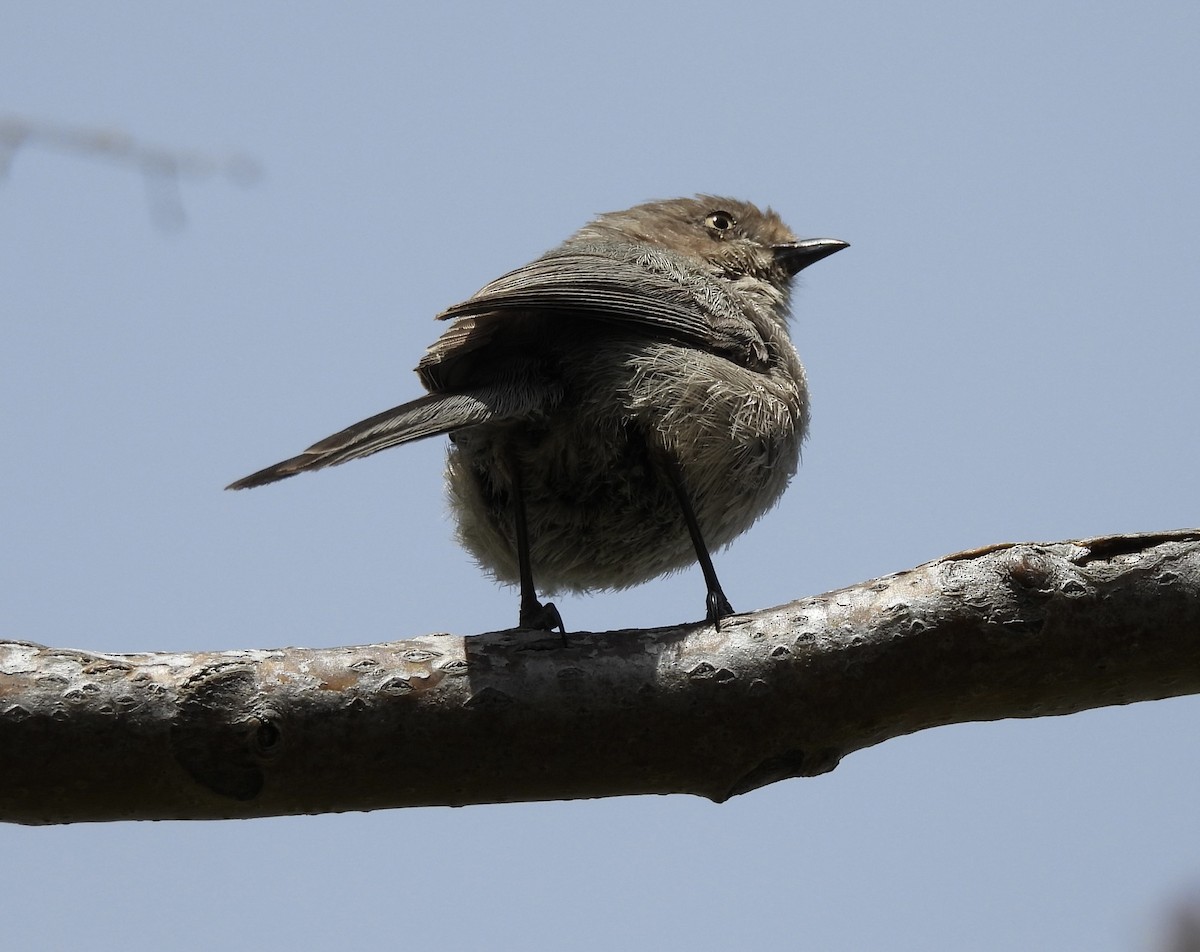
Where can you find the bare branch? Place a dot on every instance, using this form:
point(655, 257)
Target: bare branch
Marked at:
point(161, 168)
point(1007, 631)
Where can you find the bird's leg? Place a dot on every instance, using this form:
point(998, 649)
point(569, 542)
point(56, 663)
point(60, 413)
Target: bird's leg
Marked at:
point(533, 613)
point(716, 603)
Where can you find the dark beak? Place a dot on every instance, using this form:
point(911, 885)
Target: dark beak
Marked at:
point(795, 256)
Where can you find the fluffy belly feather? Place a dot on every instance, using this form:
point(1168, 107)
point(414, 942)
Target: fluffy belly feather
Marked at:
point(600, 509)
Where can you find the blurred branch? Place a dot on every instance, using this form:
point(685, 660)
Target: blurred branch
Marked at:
point(1020, 630)
point(161, 168)
point(1183, 927)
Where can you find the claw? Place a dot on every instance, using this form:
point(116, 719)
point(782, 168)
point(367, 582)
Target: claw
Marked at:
point(540, 617)
point(718, 606)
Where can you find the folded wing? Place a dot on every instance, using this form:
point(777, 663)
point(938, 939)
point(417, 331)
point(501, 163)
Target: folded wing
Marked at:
point(634, 287)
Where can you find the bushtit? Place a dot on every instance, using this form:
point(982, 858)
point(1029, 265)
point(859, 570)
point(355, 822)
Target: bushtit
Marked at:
point(617, 406)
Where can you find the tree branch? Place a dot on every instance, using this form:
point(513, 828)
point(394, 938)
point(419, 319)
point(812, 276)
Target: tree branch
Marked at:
point(161, 168)
point(1006, 631)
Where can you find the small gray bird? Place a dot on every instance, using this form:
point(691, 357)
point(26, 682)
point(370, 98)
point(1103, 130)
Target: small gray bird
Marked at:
point(615, 407)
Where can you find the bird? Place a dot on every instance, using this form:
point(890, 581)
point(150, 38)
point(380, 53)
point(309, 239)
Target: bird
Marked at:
point(617, 408)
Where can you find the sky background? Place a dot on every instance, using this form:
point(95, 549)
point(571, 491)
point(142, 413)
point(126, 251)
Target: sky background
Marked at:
point(1007, 352)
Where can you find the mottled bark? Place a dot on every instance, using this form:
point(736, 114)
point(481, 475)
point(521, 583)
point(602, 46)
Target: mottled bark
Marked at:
point(1006, 631)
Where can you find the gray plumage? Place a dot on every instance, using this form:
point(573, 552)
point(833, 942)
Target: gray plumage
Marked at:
point(641, 368)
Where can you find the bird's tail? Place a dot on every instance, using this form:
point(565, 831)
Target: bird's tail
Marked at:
point(427, 416)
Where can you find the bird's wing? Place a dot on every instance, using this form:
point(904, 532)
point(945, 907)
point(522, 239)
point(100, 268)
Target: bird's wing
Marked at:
point(645, 291)
point(634, 287)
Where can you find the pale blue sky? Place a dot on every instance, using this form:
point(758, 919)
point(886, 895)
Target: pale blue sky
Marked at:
point(1007, 352)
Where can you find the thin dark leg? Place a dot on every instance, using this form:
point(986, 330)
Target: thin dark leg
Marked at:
point(533, 613)
point(717, 604)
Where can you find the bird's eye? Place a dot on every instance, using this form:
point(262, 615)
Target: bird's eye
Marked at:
point(719, 222)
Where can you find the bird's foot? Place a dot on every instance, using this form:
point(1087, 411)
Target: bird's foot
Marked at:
point(540, 617)
point(718, 606)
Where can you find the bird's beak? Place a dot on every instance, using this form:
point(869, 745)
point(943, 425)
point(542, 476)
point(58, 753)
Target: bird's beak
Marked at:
point(795, 256)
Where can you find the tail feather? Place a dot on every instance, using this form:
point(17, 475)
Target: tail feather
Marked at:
point(427, 416)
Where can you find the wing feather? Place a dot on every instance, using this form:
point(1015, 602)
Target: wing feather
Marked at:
point(635, 287)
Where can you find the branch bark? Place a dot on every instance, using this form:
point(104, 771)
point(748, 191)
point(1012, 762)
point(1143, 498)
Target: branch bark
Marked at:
point(1022, 630)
